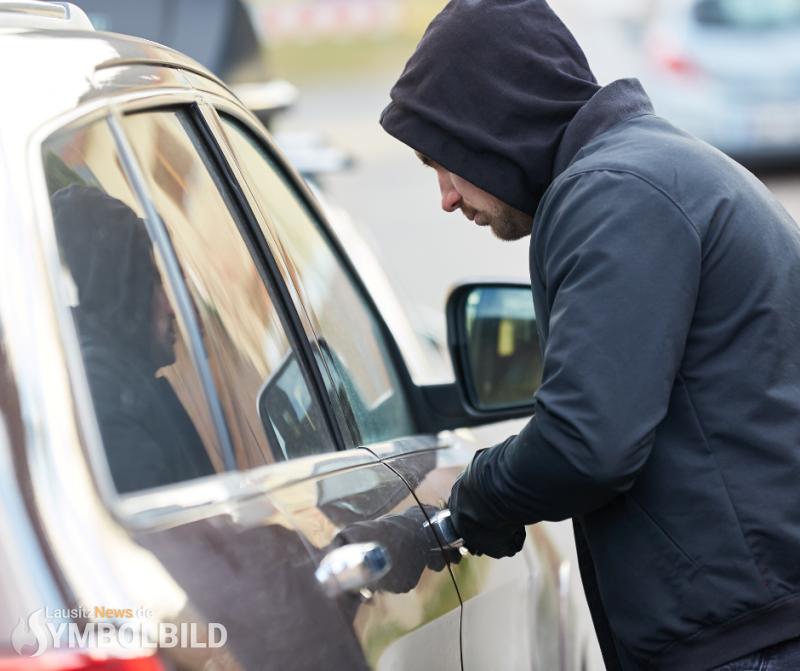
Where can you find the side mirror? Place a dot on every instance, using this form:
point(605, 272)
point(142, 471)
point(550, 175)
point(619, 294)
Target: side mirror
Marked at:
point(494, 345)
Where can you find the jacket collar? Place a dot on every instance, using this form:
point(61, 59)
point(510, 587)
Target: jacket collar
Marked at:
point(619, 101)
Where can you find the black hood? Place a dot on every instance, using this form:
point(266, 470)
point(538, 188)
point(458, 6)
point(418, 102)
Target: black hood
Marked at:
point(109, 255)
point(488, 94)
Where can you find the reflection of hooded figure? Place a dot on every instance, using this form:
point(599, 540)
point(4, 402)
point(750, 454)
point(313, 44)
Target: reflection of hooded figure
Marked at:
point(127, 332)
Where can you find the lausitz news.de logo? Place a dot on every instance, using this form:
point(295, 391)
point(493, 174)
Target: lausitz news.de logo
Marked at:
point(104, 628)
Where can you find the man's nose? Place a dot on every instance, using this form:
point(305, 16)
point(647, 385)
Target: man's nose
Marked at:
point(451, 199)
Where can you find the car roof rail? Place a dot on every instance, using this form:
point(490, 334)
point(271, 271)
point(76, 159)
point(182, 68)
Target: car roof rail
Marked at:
point(38, 15)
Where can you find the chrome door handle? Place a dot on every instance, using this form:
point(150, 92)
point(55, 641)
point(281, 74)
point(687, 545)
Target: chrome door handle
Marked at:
point(353, 567)
point(442, 524)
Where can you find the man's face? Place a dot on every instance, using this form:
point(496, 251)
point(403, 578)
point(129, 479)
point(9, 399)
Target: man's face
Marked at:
point(162, 328)
point(506, 222)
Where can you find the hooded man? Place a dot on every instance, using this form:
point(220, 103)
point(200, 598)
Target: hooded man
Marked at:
point(666, 282)
point(127, 332)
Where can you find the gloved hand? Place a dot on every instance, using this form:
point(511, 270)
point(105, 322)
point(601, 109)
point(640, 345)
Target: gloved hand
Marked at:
point(410, 546)
point(481, 535)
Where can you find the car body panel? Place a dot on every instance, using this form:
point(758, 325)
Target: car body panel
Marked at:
point(26, 578)
point(241, 562)
point(359, 505)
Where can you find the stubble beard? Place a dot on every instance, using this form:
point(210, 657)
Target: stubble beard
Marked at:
point(509, 224)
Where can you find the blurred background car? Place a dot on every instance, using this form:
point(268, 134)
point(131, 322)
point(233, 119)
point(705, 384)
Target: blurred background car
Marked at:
point(728, 71)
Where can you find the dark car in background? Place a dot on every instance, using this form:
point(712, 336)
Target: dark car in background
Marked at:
point(728, 71)
point(220, 35)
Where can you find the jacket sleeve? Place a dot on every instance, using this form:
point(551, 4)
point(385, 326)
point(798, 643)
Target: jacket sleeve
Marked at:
point(620, 264)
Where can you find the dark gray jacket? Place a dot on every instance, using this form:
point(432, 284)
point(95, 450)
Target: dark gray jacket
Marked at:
point(666, 281)
point(148, 436)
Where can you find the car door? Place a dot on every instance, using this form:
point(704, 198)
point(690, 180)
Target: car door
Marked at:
point(227, 385)
point(510, 607)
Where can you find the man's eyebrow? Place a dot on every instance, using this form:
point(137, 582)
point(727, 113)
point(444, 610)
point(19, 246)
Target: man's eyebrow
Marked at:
point(425, 160)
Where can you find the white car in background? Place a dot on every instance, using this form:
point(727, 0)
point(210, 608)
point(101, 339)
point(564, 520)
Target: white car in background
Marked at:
point(728, 71)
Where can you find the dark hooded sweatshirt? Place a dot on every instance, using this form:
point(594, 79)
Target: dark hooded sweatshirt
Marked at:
point(666, 282)
point(148, 436)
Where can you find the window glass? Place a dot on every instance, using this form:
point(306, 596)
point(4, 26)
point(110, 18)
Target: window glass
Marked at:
point(271, 413)
point(350, 339)
point(148, 398)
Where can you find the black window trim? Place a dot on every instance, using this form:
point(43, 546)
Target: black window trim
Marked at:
point(346, 432)
point(265, 264)
point(433, 408)
point(420, 412)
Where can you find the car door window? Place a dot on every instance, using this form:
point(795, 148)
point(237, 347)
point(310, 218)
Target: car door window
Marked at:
point(271, 412)
point(148, 398)
point(350, 340)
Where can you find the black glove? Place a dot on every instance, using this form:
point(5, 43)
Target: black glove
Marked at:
point(481, 534)
point(410, 546)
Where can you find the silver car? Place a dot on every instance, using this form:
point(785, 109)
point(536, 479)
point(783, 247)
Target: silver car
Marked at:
point(728, 71)
point(214, 453)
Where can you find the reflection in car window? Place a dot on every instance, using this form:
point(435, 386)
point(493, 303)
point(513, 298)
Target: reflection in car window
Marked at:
point(271, 413)
point(351, 341)
point(148, 399)
point(503, 349)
